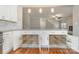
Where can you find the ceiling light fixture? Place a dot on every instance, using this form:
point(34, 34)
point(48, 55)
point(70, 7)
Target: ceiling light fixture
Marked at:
point(52, 10)
point(29, 11)
point(40, 10)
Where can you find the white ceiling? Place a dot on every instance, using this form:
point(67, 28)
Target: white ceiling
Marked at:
point(41, 5)
point(65, 10)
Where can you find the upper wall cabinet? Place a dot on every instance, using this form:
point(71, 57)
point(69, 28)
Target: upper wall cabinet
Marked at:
point(8, 13)
point(1, 11)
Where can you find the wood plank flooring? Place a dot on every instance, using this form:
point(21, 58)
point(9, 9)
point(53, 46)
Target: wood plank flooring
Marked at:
point(43, 51)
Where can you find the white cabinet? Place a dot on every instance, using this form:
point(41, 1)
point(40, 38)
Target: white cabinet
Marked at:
point(8, 12)
point(11, 40)
point(1, 11)
point(7, 42)
point(17, 39)
point(73, 42)
point(10, 17)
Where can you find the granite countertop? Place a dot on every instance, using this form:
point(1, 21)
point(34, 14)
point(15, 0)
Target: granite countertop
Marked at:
point(33, 30)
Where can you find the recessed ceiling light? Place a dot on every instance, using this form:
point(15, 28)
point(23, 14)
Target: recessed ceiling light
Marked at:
point(29, 10)
point(52, 10)
point(40, 10)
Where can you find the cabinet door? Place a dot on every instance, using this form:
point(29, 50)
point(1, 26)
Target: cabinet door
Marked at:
point(11, 13)
point(8, 12)
point(7, 42)
point(75, 43)
point(16, 39)
point(14, 13)
point(1, 12)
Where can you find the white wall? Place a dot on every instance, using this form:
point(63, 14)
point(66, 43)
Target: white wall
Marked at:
point(76, 22)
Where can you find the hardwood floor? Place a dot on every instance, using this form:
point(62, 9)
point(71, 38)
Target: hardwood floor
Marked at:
point(43, 51)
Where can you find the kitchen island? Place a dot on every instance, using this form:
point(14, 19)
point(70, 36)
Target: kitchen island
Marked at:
point(44, 35)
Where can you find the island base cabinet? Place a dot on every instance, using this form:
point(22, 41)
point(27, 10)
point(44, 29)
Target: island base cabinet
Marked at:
point(11, 41)
point(7, 42)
